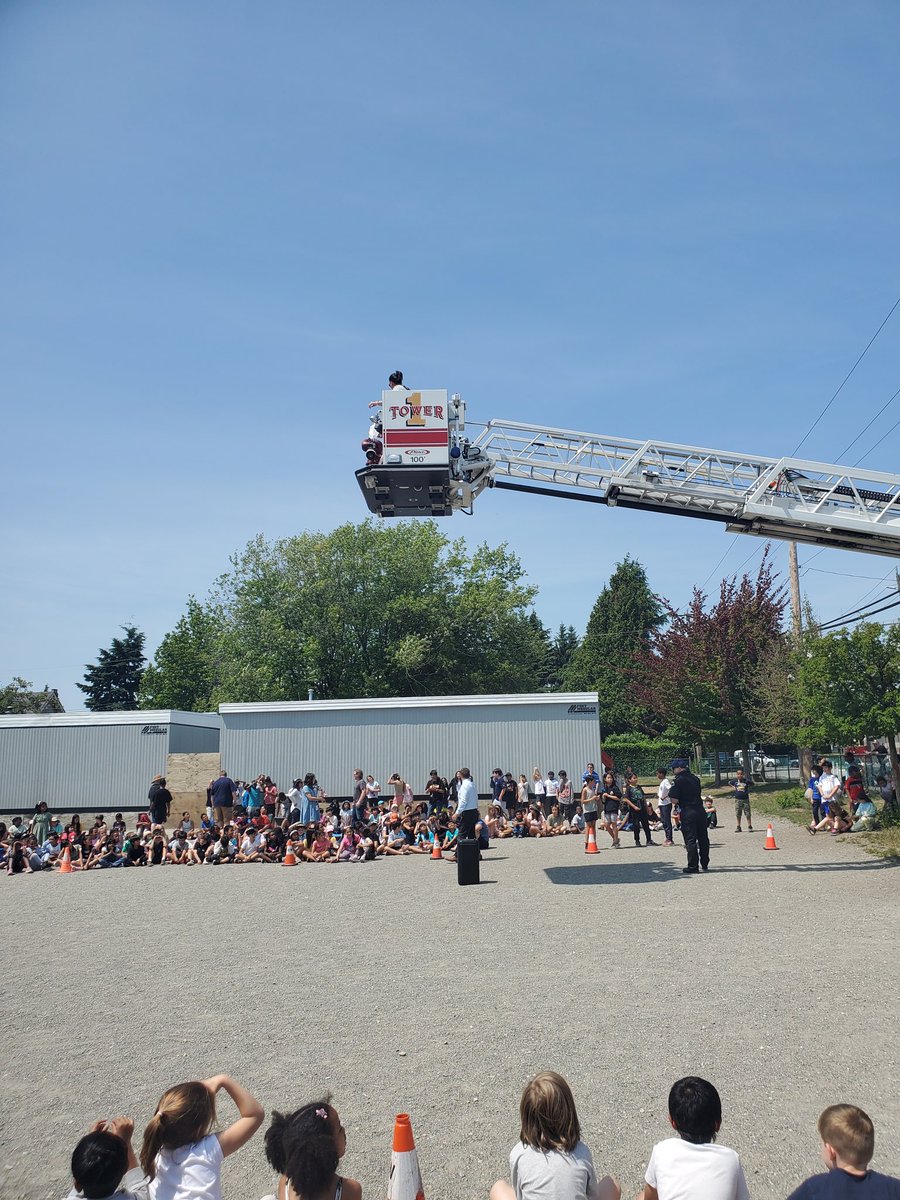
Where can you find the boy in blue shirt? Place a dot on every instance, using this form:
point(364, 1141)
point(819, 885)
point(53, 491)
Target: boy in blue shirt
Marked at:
point(848, 1143)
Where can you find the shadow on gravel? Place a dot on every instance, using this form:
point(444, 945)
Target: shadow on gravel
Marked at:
point(608, 872)
point(594, 874)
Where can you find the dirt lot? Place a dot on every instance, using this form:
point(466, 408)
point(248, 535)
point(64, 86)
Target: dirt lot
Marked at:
point(774, 976)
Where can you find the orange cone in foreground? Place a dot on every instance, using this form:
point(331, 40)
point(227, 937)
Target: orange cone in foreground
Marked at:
point(405, 1182)
point(290, 858)
point(65, 863)
point(770, 838)
point(591, 847)
point(436, 851)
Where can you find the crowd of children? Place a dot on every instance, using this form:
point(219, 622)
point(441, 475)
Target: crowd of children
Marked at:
point(181, 1157)
point(255, 822)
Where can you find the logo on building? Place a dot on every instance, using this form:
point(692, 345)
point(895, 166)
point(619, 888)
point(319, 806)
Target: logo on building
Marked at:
point(153, 729)
point(589, 709)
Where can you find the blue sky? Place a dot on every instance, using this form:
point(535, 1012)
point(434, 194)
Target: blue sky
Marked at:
point(225, 223)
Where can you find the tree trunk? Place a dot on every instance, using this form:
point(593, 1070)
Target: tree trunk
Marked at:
point(748, 770)
point(895, 761)
point(804, 754)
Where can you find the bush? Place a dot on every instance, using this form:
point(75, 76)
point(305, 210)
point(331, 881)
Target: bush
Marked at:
point(795, 798)
point(642, 754)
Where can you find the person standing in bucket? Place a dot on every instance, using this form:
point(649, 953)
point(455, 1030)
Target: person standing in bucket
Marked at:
point(685, 792)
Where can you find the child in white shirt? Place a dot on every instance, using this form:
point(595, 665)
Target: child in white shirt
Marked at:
point(692, 1165)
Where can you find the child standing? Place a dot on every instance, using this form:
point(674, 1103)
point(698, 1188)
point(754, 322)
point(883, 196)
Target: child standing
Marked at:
point(305, 1147)
point(848, 1143)
point(692, 1164)
point(550, 1160)
point(180, 1156)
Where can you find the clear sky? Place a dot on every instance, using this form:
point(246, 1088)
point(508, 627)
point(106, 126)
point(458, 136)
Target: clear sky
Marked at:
point(225, 222)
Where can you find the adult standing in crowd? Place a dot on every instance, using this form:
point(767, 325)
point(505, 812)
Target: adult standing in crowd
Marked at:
point(686, 793)
point(741, 788)
point(664, 804)
point(159, 799)
point(566, 803)
point(551, 792)
point(436, 792)
point(310, 804)
point(221, 792)
point(359, 795)
point(467, 804)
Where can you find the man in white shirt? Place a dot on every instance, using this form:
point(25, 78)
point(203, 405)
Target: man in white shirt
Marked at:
point(551, 791)
point(466, 805)
point(664, 804)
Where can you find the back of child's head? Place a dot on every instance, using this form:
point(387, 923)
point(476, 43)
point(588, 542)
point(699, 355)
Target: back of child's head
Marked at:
point(547, 1112)
point(301, 1146)
point(99, 1162)
point(850, 1132)
point(695, 1109)
point(185, 1114)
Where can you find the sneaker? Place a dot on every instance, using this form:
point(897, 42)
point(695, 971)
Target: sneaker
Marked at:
point(706, 868)
point(652, 843)
point(749, 828)
point(668, 843)
point(738, 830)
point(690, 870)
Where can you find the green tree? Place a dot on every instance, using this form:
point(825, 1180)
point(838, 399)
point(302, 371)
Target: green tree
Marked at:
point(622, 620)
point(847, 686)
point(112, 682)
point(366, 610)
point(185, 671)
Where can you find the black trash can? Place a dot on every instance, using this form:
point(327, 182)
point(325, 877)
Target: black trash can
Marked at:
point(467, 870)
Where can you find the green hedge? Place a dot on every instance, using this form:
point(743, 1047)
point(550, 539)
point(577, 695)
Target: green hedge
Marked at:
point(642, 754)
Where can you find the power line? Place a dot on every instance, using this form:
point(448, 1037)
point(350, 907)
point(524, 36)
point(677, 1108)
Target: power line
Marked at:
point(846, 377)
point(880, 600)
point(862, 616)
point(846, 575)
point(884, 406)
point(878, 443)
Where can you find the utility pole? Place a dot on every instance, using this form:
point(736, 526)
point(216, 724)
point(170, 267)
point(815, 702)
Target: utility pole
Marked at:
point(804, 754)
point(796, 618)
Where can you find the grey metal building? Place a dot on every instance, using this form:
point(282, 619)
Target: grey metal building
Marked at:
point(410, 736)
point(104, 761)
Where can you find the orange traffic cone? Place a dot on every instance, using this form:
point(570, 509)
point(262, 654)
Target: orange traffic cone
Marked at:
point(436, 851)
point(405, 1182)
point(591, 847)
point(770, 838)
point(290, 858)
point(65, 863)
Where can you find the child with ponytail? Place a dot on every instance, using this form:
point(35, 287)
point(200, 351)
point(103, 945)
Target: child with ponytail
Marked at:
point(181, 1157)
point(305, 1147)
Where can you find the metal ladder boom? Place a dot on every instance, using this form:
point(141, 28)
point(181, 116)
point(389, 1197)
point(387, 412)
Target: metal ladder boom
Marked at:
point(800, 500)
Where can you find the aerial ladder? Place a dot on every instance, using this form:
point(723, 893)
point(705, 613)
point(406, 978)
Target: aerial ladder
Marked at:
point(429, 467)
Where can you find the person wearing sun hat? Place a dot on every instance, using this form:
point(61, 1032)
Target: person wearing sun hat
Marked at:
point(686, 793)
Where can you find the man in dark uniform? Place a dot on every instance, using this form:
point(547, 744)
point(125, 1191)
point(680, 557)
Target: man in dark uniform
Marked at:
point(685, 792)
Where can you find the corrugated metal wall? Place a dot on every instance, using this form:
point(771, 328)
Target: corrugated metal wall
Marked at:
point(79, 767)
point(410, 740)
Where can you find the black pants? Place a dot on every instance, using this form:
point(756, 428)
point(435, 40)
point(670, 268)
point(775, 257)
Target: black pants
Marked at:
point(466, 822)
point(639, 821)
point(696, 837)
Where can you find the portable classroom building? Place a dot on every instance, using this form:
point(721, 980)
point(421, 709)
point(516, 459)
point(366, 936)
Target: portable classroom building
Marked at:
point(410, 735)
point(81, 761)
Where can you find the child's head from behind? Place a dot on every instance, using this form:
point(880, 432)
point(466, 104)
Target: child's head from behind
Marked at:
point(99, 1162)
point(695, 1109)
point(547, 1112)
point(185, 1114)
point(847, 1133)
point(306, 1145)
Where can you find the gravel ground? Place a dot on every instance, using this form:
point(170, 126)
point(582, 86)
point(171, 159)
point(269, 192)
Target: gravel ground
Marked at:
point(400, 991)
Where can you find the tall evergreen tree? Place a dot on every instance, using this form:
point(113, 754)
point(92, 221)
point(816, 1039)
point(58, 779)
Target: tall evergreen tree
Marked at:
point(112, 682)
point(624, 616)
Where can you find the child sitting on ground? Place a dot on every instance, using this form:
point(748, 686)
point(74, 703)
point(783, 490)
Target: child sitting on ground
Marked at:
point(848, 1143)
point(709, 806)
point(305, 1147)
point(180, 1156)
point(104, 1166)
point(550, 1159)
point(692, 1164)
